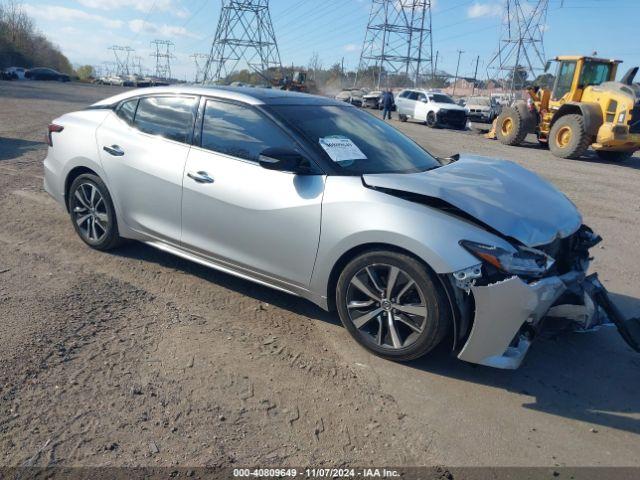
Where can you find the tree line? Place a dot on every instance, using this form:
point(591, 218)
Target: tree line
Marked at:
point(22, 45)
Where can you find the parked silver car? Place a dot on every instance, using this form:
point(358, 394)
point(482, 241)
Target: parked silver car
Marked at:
point(313, 197)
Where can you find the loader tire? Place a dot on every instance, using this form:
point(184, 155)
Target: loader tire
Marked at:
point(568, 137)
point(511, 127)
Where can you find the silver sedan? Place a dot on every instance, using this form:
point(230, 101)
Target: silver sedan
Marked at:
point(315, 198)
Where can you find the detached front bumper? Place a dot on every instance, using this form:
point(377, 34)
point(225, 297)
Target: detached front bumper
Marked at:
point(506, 313)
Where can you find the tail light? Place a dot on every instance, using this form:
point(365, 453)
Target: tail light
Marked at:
point(53, 128)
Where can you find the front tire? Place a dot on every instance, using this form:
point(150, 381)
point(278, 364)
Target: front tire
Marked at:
point(92, 213)
point(431, 120)
point(392, 305)
point(511, 127)
point(568, 137)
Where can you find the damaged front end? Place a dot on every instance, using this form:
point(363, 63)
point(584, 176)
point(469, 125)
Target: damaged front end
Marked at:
point(502, 302)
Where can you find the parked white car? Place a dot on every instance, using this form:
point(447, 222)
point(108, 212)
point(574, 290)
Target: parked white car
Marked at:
point(433, 108)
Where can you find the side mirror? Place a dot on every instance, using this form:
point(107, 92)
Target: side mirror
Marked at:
point(424, 100)
point(284, 160)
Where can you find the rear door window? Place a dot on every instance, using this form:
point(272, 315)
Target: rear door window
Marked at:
point(169, 117)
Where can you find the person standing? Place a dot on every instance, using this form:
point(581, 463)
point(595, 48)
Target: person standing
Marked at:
point(387, 104)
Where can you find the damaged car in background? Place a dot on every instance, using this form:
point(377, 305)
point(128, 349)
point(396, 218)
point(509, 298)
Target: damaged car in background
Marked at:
point(316, 198)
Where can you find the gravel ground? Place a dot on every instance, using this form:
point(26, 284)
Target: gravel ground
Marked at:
point(138, 358)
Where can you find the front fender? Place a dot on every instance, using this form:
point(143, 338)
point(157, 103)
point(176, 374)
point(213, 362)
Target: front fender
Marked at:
point(354, 216)
point(590, 111)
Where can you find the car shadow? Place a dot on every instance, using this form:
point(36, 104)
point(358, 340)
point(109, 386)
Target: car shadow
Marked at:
point(298, 305)
point(589, 157)
point(592, 157)
point(11, 148)
point(592, 377)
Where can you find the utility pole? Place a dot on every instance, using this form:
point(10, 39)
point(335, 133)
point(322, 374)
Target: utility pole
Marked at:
point(341, 73)
point(460, 52)
point(475, 76)
point(397, 41)
point(244, 36)
point(435, 66)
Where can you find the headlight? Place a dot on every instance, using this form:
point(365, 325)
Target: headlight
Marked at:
point(525, 261)
point(621, 117)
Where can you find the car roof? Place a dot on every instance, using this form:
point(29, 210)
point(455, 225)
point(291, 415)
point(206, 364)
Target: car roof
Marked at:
point(422, 90)
point(250, 95)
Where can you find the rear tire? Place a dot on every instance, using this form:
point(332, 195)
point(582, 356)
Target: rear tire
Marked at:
point(613, 156)
point(402, 118)
point(568, 137)
point(511, 127)
point(92, 213)
point(402, 324)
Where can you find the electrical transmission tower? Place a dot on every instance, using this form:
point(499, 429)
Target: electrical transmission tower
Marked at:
point(200, 61)
point(108, 68)
point(397, 42)
point(136, 65)
point(520, 53)
point(244, 35)
point(122, 55)
point(163, 58)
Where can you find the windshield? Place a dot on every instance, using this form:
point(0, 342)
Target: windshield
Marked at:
point(354, 141)
point(440, 98)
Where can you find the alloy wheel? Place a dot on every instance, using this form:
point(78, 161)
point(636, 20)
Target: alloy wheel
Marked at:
point(90, 212)
point(386, 305)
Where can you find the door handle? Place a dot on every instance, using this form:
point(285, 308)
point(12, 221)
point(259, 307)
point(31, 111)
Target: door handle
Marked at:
point(114, 150)
point(200, 177)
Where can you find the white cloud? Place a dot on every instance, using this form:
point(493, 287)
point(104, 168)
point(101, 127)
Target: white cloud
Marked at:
point(351, 47)
point(140, 5)
point(141, 26)
point(66, 15)
point(478, 10)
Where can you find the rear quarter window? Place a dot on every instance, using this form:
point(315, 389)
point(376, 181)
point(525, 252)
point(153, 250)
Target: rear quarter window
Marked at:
point(168, 117)
point(127, 110)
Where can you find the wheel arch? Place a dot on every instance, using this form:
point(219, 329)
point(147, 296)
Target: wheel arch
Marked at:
point(353, 252)
point(439, 280)
point(71, 176)
point(590, 113)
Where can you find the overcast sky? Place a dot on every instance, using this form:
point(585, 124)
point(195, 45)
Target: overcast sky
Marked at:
point(84, 29)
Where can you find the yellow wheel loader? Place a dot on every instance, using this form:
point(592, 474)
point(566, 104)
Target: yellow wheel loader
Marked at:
point(586, 107)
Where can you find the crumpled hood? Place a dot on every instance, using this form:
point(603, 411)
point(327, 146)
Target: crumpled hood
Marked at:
point(509, 198)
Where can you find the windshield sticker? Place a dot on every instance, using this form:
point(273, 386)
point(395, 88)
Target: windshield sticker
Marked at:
point(341, 149)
